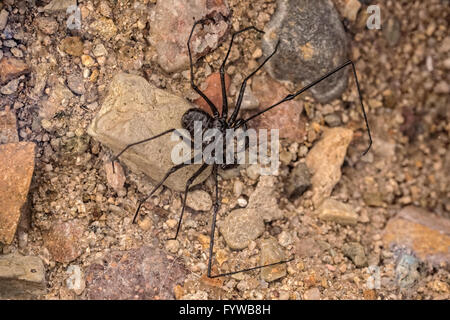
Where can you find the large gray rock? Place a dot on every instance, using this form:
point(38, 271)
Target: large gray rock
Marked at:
point(21, 277)
point(134, 110)
point(313, 42)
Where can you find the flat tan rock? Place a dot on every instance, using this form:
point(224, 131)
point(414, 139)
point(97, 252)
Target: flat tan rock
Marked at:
point(21, 277)
point(336, 211)
point(325, 160)
point(135, 110)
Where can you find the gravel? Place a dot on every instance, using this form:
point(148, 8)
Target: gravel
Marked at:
point(403, 72)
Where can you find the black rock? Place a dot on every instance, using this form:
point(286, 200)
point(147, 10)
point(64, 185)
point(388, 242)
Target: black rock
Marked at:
point(312, 43)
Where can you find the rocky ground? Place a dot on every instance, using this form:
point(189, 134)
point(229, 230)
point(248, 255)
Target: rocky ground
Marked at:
point(360, 227)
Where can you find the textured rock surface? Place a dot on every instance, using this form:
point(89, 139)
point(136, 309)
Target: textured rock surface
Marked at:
point(285, 117)
point(144, 273)
point(240, 227)
point(135, 110)
point(72, 46)
point(406, 271)
point(271, 252)
point(171, 25)
point(325, 160)
point(64, 240)
point(312, 294)
point(298, 182)
point(11, 68)
point(8, 127)
point(16, 171)
point(199, 200)
point(75, 281)
point(332, 210)
point(116, 178)
point(58, 99)
point(244, 225)
point(356, 253)
point(21, 277)
point(313, 42)
point(59, 5)
point(427, 235)
point(264, 199)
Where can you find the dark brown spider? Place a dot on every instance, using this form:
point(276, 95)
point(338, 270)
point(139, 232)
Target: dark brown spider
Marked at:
point(222, 122)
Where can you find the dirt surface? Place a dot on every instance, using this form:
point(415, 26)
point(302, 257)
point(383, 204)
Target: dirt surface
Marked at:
point(405, 82)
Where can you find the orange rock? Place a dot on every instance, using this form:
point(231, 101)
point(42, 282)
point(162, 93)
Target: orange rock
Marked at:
point(204, 241)
point(214, 92)
point(72, 46)
point(178, 291)
point(63, 240)
point(212, 282)
point(285, 117)
point(16, 170)
point(427, 235)
point(11, 68)
point(370, 294)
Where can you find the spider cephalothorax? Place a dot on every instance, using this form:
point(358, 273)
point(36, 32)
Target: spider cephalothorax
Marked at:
point(198, 122)
point(223, 123)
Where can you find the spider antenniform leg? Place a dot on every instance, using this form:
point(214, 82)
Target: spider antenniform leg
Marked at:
point(222, 71)
point(244, 85)
point(312, 84)
point(214, 110)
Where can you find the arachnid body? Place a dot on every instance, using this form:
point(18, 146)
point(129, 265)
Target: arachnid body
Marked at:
point(221, 122)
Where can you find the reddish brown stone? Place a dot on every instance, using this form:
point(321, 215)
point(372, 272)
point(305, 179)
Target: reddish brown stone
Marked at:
point(8, 127)
point(171, 25)
point(16, 170)
point(214, 92)
point(11, 68)
point(72, 46)
point(426, 234)
point(285, 117)
point(64, 240)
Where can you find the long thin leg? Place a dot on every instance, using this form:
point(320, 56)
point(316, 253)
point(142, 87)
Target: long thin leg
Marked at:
point(143, 141)
point(213, 224)
point(244, 85)
point(168, 173)
point(292, 96)
point(211, 105)
point(211, 242)
point(188, 184)
point(222, 71)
